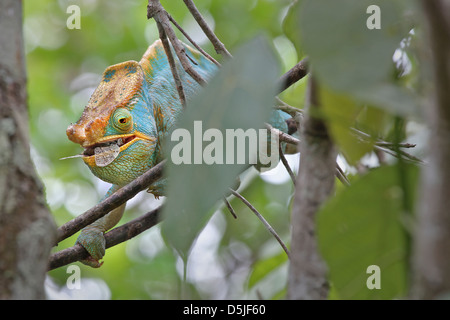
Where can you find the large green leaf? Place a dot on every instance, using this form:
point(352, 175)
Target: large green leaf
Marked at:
point(290, 27)
point(239, 97)
point(340, 112)
point(364, 225)
point(349, 57)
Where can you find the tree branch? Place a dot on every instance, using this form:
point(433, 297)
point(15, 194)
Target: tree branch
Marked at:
point(432, 236)
point(283, 106)
point(297, 72)
point(156, 11)
point(283, 137)
point(286, 164)
point(114, 237)
point(388, 147)
point(315, 183)
point(193, 42)
point(229, 207)
point(173, 67)
point(218, 46)
point(27, 228)
point(113, 201)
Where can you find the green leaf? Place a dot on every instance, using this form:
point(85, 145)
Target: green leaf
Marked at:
point(239, 97)
point(263, 267)
point(347, 56)
point(391, 98)
point(290, 28)
point(363, 226)
point(373, 121)
point(340, 112)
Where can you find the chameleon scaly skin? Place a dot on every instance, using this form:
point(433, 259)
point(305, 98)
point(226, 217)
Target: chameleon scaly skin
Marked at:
point(135, 105)
point(133, 108)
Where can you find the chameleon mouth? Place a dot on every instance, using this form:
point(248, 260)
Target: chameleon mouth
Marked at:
point(113, 143)
point(105, 151)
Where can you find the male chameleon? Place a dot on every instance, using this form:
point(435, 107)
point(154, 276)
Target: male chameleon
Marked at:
point(121, 129)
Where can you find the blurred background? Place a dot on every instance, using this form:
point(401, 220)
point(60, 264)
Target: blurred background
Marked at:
point(233, 259)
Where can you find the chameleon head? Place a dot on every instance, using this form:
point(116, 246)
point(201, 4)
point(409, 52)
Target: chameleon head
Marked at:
point(117, 129)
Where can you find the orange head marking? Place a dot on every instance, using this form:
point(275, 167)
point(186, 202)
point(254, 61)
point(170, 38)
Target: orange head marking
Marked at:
point(119, 85)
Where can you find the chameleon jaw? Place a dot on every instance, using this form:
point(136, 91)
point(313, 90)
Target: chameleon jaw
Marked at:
point(107, 149)
point(122, 141)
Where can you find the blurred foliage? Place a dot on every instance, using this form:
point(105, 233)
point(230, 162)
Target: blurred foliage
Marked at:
point(238, 258)
point(354, 237)
point(64, 67)
point(247, 80)
point(369, 82)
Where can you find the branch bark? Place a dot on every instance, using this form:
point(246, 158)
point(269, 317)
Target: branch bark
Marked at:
point(195, 44)
point(155, 10)
point(218, 45)
point(110, 203)
point(315, 183)
point(27, 229)
point(114, 237)
point(297, 72)
point(431, 253)
point(173, 67)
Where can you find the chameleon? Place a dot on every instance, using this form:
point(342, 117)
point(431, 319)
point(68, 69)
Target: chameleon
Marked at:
point(123, 126)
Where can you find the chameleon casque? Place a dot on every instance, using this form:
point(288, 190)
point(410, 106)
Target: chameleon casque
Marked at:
point(124, 124)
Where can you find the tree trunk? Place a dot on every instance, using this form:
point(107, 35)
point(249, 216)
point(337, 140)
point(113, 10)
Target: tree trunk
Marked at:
point(432, 254)
point(26, 228)
point(315, 183)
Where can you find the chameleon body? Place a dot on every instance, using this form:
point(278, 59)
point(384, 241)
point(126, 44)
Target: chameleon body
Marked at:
point(121, 129)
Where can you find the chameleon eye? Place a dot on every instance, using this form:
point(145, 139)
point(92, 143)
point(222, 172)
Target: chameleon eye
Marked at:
point(123, 120)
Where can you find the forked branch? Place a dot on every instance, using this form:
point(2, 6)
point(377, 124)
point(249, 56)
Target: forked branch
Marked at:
point(112, 238)
point(218, 45)
point(156, 11)
point(116, 199)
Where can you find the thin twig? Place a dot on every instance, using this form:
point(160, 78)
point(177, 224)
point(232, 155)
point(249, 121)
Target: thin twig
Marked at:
point(406, 156)
point(175, 23)
point(377, 146)
point(290, 139)
point(284, 137)
point(112, 238)
point(365, 137)
point(285, 163)
point(283, 106)
point(388, 147)
point(391, 145)
point(218, 45)
point(260, 217)
point(299, 71)
point(340, 174)
point(230, 208)
point(155, 10)
point(113, 201)
point(173, 68)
